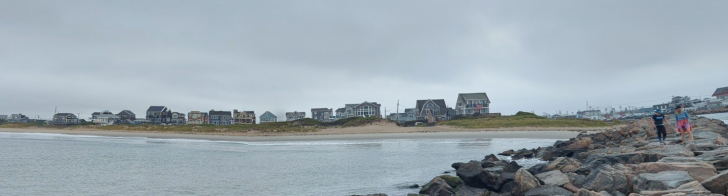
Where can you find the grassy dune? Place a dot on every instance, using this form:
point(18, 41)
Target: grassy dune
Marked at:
point(303, 125)
point(521, 119)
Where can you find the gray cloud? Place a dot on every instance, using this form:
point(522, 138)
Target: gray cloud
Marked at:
point(86, 56)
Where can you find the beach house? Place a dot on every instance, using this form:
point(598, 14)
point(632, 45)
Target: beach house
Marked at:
point(220, 117)
point(126, 117)
point(244, 117)
point(365, 109)
point(291, 116)
point(18, 118)
point(65, 119)
point(431, 109)
point(105, 118)
point(178, 118)
point(197, 118)
point(322, 114)
point(340, 113)
point(3, 117)
point(268, 117)
point(159, 115)
point(472, 104)
point(721, 93)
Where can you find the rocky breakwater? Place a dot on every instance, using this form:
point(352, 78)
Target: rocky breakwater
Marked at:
point(621, 161)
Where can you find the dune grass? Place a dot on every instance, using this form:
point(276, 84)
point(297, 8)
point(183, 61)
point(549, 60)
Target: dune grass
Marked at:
point(303, 125)
point(521, 119)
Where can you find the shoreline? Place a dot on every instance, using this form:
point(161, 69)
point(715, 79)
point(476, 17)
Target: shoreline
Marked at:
point(371, 132)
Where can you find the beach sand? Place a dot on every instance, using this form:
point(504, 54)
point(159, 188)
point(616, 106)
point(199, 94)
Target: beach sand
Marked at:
point(369, 132)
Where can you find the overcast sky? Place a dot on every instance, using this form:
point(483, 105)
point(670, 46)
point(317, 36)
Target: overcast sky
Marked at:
point(278, 56)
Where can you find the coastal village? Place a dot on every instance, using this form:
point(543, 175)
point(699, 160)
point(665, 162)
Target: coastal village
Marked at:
point(426, 111)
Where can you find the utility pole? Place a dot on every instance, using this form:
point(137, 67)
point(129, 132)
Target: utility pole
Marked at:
point(397, 110)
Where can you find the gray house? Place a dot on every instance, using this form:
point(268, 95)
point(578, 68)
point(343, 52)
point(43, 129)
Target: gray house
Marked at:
point(178, 118)
point(65, 119)
point(3, 117)
point(220, 117)
point(368, 109)
point(127, 117)
point(340, 113)
point(159, 115)
point(432, 108)
point(410, 114)
point(322, 114)
point(472, 103)
point(291, 116)
point(268, 117)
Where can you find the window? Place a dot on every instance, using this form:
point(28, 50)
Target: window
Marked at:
point(429, 105)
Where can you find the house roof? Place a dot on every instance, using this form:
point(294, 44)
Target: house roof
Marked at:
point(225, 113)
point(95, 113)
point(267, 113)
point(467, 96)
point(63, 114)
point(351, 105)
point(721, 91)
point(341, 110)
point(439, 102)
point(156, 108)
point(128, 112)
point(408, 110)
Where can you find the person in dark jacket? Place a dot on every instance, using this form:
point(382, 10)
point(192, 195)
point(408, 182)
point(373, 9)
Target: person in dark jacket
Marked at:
point(658, 120)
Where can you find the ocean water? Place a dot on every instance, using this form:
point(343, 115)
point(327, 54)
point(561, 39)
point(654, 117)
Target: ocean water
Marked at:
point(719, 116)
point(56, 164)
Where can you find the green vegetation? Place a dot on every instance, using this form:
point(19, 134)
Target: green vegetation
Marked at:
point(303, 125)
point(521, 119)
point(17, 125)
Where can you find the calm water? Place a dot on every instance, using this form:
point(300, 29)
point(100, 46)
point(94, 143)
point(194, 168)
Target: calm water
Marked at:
point(54, 164)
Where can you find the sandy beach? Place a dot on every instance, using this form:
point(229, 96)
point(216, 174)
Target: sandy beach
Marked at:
point(375, 131)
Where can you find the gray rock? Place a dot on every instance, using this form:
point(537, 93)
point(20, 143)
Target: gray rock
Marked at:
point(548, 191)
point(705, 135)
point(555, 178)
point(608, 178)
point(605, 193)
point(474, 175)
point(717, 184)
point(617, 193)
point(565, 165)
point(524, 182)
point(576, 179)
point(465, 190)
point(584, 192)
point(698, 170)
point(437, 186)
point(678, 160)
point(512, 167)
point(661, 181)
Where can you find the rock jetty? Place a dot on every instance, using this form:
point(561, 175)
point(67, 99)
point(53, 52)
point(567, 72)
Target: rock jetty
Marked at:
point(618, 162)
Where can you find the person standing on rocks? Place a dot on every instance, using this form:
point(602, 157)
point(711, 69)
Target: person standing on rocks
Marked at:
point(658, 119)
point(682, 123)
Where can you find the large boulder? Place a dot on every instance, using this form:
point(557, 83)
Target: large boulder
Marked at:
point(562, 164)
point(698, 170)
point(718, 183)
point(661, 181)
point(437, 186)
point(609, 178)
point(548, 191)
point(554, 178)
point(512, 167)
point(474, 175)
point(579, 144)
point(465, 190)
point(524, 182)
